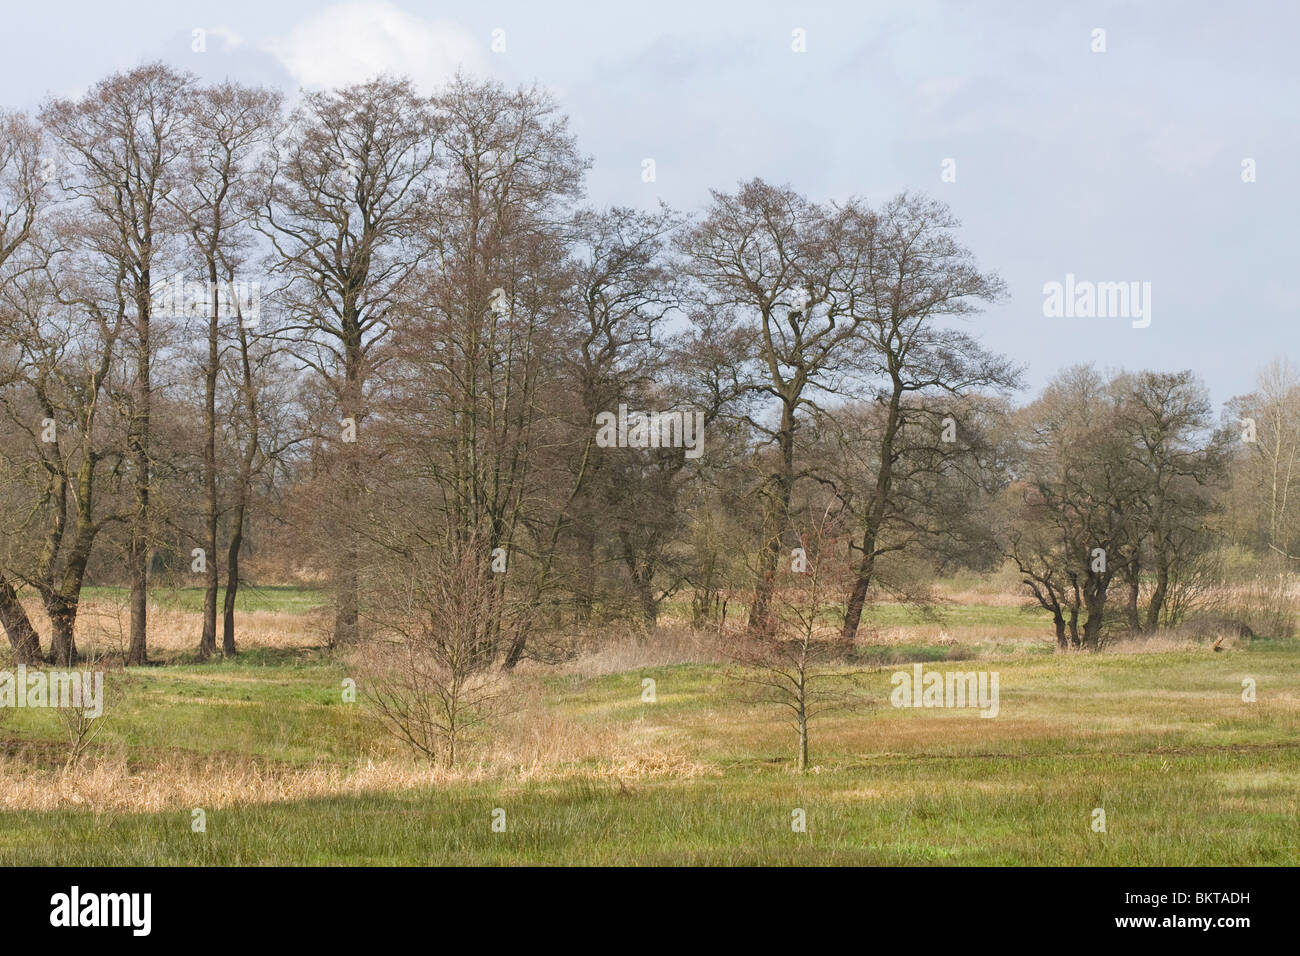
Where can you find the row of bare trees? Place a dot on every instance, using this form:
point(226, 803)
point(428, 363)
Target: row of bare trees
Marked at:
point(370, 335)
point(133, 398)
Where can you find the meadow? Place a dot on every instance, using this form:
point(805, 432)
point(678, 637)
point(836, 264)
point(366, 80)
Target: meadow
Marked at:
point(266, 754)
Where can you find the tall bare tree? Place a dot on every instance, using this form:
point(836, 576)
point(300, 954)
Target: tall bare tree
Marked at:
point(22, 194)
point(1180, 464)
point(910, 279)
point(762, 253)
point(121, 142)
point(481, 351)
point(229, 127)
point(349, 197)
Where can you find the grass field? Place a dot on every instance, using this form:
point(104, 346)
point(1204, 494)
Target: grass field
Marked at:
point(286, 772)
point(286, 599)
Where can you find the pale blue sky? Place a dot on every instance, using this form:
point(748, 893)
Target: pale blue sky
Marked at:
point(1122, 165)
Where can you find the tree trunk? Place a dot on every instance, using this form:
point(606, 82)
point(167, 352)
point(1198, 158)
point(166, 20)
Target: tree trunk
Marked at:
point(62, 603)
point(347, 582)
point(858, 596)
point(649, 606)
point(584, 599)
point(138, 550)
point(515, 653)
point(1095, 600)
point(208, 638)
point(1158, 597)
point(63, 622)
point(232, 583)
point(242, 491)
point(18, 627)
point(875, 517)
point(138, 564)
point(642, 573)
point(760, 611)
point(802, 764)
point(346, 608)
point(1131, 605)
point(1058, 620)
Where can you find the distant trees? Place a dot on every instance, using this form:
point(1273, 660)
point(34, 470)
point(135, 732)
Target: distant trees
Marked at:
point(622, 290)
point(1264, 507)
point(843, 302)
point(1181, 465)
point(1117, 479)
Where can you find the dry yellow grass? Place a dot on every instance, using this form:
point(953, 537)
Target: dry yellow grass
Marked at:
point(955, 635)
point(626, 649)
point(102, 627)
point(532, 744)
point(109, 785)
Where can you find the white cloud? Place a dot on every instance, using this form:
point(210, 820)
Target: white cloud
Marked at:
point(354, 41)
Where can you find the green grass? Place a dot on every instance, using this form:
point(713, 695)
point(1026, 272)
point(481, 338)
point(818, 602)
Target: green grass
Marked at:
point(288, 599)
point(1186, 771)
point(275, 706)
point(1160, 811)
point(954, 615)
point(1190, 809)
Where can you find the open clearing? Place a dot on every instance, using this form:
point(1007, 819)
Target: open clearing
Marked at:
point(586, 772)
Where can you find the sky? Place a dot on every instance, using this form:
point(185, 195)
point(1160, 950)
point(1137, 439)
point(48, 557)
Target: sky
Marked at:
point(1160, 150)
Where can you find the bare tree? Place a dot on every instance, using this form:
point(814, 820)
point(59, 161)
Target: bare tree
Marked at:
point(54, 391)
point(1079, 477)
point(121, 142)
point(913, 280)
point(1179, 465)
point(797, 664)
point(349, 195)
point(229, 127)
point(83, 721)
point(22, 195)
point(479, 351)
point(761, 252)
point(433, 679)
point(24, 190)
point(1266, 466)
point(846, 301)
point(622, 290)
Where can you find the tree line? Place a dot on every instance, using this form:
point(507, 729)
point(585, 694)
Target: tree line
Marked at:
point(370, 340)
